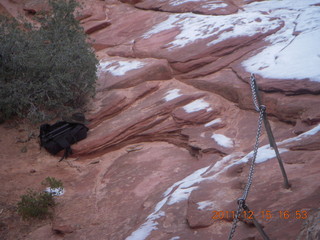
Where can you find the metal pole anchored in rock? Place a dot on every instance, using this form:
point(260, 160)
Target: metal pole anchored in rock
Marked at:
point(257, 224)
point(257, 104)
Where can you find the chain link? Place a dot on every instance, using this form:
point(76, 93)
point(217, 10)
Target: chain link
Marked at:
point(236, 218)
point(253, 90)
point(241, 201)
point(255, 152)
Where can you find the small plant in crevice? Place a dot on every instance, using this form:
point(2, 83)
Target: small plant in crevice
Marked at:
point(52, 182)
point(54, 186)
point(36, 205)
point(40, 205)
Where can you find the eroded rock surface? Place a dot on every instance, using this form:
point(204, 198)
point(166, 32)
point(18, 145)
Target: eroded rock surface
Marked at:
point(172, 126)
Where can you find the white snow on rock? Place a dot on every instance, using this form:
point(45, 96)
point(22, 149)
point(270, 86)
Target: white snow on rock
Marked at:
point(179, 2)
point(181, 190)
point(197, 105)
point(175, 238)
point(180, 194)
point(176, 193)
point(145, 229)
point(211, 6)
point(215, 5)
point(205, 205)
point(311, 132)
point(55, 191)
point(300, 137)
point(195, 27)
point(264, 153)
point(294, 51)
point(213, 122)
point(222, 140)
point(172, 94)
point(119, 68)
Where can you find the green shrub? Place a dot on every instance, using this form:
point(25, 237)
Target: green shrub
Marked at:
point(39, 204)
point(48, 69)
point(52, 183)
point(36, 205)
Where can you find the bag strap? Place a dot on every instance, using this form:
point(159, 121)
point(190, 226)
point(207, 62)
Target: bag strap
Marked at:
point(75, 130)
point(56, 132)
point(65, 144)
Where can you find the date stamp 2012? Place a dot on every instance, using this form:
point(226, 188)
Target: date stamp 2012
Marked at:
point(265, 214)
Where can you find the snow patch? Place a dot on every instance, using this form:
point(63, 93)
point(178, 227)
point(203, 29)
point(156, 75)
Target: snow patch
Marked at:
point(211, 6)
point(55, 191)
point(172, 94)
point(220, 165)
point(222, 140)
point(182, 190)
point(119, 68)
point(179, 190)
point(179, 2)
point(175, 238)
point(180, 194)
point(195, 27)
point(289, 62)
point(215, 5)
point(146, 228)
point(264, 153)
point(311, 132)
point(197, 105)
point(190, 180)
point(204, 204)
point(294, 51)
point(213, 122)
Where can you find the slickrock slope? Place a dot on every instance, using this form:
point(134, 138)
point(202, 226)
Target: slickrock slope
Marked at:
point(172, 126)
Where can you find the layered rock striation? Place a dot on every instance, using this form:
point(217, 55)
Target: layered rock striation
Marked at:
point(172, 126)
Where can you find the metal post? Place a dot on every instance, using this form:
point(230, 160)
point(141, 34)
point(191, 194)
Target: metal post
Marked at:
point(257, 225)
point(275, 148)
point(272, 141)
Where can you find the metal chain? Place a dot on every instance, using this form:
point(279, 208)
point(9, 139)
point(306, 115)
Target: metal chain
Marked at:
point(236, 220)
point(253, 90)
point(241, 201)
point(255, 152)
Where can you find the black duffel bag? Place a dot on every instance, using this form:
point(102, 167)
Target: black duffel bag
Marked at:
point(61, 135)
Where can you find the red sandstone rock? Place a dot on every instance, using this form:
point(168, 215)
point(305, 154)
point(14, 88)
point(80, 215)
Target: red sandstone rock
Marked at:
point(12, 8)
point(165, 151)
point(123, 73)
point(202, 7)
point(92, 27)
point(311, 226)
point(115, 101)
point(120, 32)
point(62, 229)
point(43, 232)
point(129, 126)
point(131, 1)
point(289, 87)
point(226, 84)
point(34, 6)
point(170, 43)
point(91, 10)
point(3, 10)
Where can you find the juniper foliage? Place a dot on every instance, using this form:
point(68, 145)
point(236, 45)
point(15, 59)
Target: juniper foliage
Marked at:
point(46, 69)
point(36, 205)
